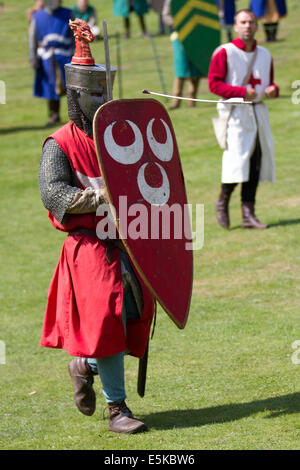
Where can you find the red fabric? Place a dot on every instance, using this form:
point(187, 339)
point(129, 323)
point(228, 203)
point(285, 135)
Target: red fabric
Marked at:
point(218, 71)
point(80, 150)
point(84, 309)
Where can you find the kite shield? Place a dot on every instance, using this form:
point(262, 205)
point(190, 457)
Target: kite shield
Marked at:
point(140, 166)
point(198, 27)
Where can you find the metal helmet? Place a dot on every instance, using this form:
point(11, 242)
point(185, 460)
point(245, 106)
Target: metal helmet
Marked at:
point(89, 83)
point(85, 81)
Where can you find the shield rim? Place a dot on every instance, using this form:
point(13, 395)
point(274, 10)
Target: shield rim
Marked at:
point(180, 325)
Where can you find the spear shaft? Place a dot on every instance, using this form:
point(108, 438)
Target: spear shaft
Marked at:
point(107, 62)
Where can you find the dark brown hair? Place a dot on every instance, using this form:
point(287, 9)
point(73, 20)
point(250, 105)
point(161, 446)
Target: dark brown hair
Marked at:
point(245, 10)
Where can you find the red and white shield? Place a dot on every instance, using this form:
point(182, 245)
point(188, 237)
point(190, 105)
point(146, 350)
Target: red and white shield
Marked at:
point(142, 174)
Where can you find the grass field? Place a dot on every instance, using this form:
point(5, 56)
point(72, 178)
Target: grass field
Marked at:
point(227, 381)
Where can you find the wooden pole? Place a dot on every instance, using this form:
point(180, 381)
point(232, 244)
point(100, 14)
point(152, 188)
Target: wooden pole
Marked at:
point(107, 62)
point(119, 65)
point(159, 69)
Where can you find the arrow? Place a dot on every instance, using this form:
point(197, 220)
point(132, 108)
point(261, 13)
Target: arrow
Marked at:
point(229, 101)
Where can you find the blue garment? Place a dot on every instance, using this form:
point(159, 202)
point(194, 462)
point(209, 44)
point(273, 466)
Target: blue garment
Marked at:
point(183, 67)
point(259, 7)
point(111, 368)
point(55, 49)
point(111, 373)
point(229, 11)
point(122, 7)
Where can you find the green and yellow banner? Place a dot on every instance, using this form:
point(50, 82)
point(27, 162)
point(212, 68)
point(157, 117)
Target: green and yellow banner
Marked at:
point(198, 27)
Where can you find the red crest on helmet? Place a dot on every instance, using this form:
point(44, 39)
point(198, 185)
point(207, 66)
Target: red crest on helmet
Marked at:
point(141, 170)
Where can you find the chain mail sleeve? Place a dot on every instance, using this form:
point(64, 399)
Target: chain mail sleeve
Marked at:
point(58, 186)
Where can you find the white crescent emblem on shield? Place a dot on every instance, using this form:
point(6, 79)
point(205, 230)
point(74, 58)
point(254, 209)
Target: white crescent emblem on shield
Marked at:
point(127, 155)
point(156, 196)
point(163, 152)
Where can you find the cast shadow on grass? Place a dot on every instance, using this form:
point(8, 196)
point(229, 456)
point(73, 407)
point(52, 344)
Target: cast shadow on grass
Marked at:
point(285, 222)
point(277, 406)
point(275, 224)
point(12, 130)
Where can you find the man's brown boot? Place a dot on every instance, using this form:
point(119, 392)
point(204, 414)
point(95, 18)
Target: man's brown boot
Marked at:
point(222, 208)
point(54, 119)
point(177, 91)
point(82, 378)
point(192, 90)
point(122, 421)
point(249, 218)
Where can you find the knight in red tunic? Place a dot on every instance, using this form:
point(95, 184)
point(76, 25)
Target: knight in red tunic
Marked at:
point(98, 308)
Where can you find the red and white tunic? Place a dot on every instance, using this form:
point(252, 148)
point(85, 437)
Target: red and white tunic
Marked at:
point(229, 66)
point(84, 309)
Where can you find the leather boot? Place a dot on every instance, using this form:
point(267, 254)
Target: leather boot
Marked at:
point(122, 421)
point(267, 29)
point(192, 90)
point(222, 208)
point(54, 106)
point(82, 378)
point(249, 218)
point(177, 91)
point(274, 31)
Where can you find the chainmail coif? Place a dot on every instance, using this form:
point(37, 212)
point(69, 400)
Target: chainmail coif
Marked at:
point(75, 113)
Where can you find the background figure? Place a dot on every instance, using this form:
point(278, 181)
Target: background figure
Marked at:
point(38, 5)
point(226, 10)
point(242, 69)
point(51, 46)
point(184, 69)
point(87, 13)
point(270, 11)
point(125, 7)
point(157, 6)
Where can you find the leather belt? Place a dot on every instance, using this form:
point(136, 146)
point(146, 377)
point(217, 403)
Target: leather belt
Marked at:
point(110, 244)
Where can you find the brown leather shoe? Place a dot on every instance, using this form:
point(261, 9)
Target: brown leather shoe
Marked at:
point(174, 106)
point(122, 421)
point(82, 378)
point(222, 208)
point(249, 218)
point(54, 120)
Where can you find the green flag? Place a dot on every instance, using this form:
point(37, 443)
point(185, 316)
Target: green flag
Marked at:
point(198, 27)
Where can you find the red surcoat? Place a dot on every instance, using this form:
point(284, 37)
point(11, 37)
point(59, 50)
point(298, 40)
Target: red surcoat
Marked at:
point(84, 308)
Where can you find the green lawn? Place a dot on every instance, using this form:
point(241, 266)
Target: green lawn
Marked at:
point(227, 381)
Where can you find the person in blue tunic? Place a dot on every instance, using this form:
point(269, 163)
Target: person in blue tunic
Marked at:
point(51, 46)
point(38, 5)
point(270, 11)
point(226, 10)
point(125, 7)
